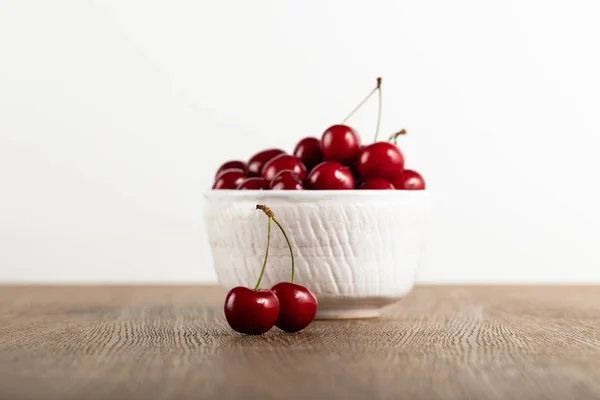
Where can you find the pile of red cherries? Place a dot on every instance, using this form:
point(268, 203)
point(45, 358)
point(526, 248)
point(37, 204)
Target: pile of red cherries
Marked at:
point(336, 161)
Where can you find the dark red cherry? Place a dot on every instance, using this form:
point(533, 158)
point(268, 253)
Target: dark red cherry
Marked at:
point(380, 160)
point(250, 311)
point(283, 162)
point(229, 179)
point(254, 183)
point(308, 150)
point(298, 306)
point(340, 143)
point(235, 164)
point(409, 180)
point(330, 175)
point(376, 184)
point(256, 163)
point(286, 180)
point(354, 169)
point(227, 170)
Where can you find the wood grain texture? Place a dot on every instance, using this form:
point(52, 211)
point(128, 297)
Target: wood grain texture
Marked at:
point(442, 342)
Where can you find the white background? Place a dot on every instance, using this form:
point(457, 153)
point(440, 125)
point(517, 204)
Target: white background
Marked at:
point(115, 114)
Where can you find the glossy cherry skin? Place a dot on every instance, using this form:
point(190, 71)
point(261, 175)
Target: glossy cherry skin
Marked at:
point(249, 311)
point(340, 143)
point(377, 184)
point(229, 179)
point(330, 175)
point(308, 150)
point(298, 306)
point(235, 164)
point(409, 180)
point(284, 162)
point(230, 169)
point(254, 183)
point(256, 163)
point(380, 160)
point(286, 180)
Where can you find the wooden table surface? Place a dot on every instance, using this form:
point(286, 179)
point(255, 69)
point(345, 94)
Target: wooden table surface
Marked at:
point(445, 342)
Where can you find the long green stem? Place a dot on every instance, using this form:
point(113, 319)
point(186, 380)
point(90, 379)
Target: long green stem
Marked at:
point(289, 246)
point(262, 271)
point(380, 108)
point(271, 216)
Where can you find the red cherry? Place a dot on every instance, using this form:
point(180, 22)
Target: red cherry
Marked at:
point(236, 164)
point(340, 143)
point(380, 160)
point(286, 180)
point(308, 150)
point(354, 169)
point(409, 180)
point(298, 306)
point(250, 311)
point(229, 179)
point(253, 184)
point(283, 162)
point(230, 169)
point(377, 184)
point(330, 175)
point(256, 163)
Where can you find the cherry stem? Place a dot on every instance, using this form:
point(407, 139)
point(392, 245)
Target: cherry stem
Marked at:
point(394, 137)
point(364, 101)
point(262, 271)
point(271, 216)
point(380, 107)
point(289, 246)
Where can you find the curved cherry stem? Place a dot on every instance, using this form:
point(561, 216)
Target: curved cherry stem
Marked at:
point(271, 216)
point(289, 246)
point(395, 136)
point(262, 271)
point(364, 101)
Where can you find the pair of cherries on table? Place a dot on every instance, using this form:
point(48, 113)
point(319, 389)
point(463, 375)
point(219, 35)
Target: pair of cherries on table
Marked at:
point(336, 161)
point(288, 306)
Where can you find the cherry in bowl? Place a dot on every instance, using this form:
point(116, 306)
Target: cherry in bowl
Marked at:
point(409, 180)
point(254, 183)
point(308, 150)
point(284, 162)
point(340, 143)
point(330, 175)
point(380, 160)
point(229, 179)
point(235, 164)
point(286, 180)
point(257, 161)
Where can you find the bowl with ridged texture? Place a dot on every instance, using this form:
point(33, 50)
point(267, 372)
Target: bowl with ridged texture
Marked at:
point(356, 250)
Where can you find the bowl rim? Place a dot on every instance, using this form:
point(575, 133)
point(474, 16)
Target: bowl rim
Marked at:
point(232, 194)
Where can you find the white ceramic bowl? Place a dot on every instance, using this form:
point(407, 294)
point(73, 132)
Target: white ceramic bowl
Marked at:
point(357, 250)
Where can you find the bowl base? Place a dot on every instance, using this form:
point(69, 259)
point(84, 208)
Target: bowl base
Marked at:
point(352, 307)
